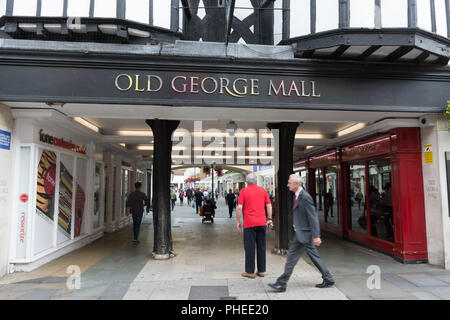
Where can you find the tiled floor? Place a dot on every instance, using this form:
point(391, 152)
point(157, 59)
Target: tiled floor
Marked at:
point(212, 255)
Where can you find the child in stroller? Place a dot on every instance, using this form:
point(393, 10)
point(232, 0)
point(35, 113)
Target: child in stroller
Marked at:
point(208, 212)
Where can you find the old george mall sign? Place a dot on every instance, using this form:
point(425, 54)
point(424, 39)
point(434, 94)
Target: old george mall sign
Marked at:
point(239, 87)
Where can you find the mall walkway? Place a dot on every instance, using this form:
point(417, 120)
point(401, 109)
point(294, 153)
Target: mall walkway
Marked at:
point(209, 261)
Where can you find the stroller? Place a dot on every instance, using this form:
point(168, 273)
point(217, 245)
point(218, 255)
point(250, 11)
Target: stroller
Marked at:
point(208, 211)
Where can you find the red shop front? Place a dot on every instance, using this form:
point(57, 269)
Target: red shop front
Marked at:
point(371, 192)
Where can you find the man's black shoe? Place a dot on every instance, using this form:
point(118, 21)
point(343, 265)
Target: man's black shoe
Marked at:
point(325, 284)
point(277, 287)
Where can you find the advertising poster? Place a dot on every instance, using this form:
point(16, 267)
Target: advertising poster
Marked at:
point(46, 180)
point(79, 209)
point(65, 200)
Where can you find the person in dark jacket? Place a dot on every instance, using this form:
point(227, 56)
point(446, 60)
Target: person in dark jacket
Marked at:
point(135, 204)
point(230, 199)
point(198, 200)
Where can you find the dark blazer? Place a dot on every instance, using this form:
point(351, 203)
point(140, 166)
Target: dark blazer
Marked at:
point(306, 221)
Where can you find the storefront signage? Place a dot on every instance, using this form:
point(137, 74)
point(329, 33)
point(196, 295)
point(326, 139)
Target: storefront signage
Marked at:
point(377, 146)
point(428, 154)
point(5, 140)
point(60, 142)
point(239, 87)
point(325, 159)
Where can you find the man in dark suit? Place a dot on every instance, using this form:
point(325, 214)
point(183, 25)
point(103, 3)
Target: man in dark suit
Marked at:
point(307, 236)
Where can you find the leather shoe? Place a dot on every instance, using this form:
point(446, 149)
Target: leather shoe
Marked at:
point(325, 284)
point(248, 275)
point(260, 274)
point(277, 287)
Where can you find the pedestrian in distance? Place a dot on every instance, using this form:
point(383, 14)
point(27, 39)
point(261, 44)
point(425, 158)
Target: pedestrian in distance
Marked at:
point(135, 204)
point(252, 204)
point(307, 236)
point(229, 199)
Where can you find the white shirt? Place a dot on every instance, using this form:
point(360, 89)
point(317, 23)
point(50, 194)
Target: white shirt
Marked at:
point(297, 193)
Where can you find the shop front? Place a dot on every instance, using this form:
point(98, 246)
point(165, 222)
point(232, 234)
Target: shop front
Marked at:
point(371, 192)
point(60, 195)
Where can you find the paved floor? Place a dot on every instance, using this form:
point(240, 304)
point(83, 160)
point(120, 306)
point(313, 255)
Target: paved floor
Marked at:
point(209, 261)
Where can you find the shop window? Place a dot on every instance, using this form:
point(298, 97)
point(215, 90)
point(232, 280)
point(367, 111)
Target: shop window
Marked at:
point(106, 195)
point(80, 197)
point(125, 179)
point(331, 191)
point(319, 193)
point(65, 199)
point(97, 194)
point(45, 200)
point(380, 199)
point(358, 217)
point(113, 207)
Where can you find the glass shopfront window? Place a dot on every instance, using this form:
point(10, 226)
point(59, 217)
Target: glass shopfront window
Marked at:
point(97, 194)
point(358, 217)
point(80, 197)
point(45, 200)
point(319, 193)
point(65, 199)
point(125, 180)
point(331, 195)
point(380, 199)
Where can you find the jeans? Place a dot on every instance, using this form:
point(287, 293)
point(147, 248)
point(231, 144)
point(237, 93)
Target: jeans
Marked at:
point(255, 236)
point(137, 219)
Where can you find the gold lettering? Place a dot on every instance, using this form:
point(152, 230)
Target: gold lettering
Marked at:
point(294, 87)
point(303, 90)
point(245, 86)
point(214, 81)
point(313, 84)
point(149, 77)
point(272, 87)
point(173, 84)
point(255, 86)
point(137, 84)
point(130, 82)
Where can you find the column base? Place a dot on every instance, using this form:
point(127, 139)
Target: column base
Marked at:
point(280, 252)
point(163, 256)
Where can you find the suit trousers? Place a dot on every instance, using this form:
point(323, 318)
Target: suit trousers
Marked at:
point(252, 236)
point(294, 254)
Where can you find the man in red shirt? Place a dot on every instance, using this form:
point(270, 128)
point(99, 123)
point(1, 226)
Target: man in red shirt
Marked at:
point(252, 202)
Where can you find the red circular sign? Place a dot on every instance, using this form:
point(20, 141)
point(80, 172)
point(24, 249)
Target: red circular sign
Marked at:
point(24, 197)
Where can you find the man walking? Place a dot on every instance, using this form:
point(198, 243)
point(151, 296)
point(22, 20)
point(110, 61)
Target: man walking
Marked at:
point(229, 199)
point(252, 203)
point(307, 236)
point(198, 200)
point(135, 203)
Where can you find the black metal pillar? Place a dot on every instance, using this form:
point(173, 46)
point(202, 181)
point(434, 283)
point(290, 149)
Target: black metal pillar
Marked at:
point(447, 11)
point(286, 134)
point(377, 14)
point(120, 9)
point(9, 7)
point(162, 161)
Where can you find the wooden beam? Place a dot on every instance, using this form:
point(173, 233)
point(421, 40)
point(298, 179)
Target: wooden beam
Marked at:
point(187, 9)
point(286, 19)
point(230, 21)
point(344, 14)
point(120, 9)
point(412, 13)
point(313, 16)
point(9, 7)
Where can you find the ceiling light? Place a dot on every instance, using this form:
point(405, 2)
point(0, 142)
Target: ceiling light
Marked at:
point(309, 147)
point(135, 133)
point(87, 124)
point(351, 129)
point(309, 136)
point(123, 145)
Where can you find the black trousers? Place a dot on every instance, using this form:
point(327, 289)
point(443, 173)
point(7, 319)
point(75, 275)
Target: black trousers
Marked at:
point(230, 209)
point(255, 236)
point(198, 204)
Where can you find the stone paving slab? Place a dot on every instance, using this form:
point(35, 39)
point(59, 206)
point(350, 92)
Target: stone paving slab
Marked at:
point(213, 255)
point(37, 295)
